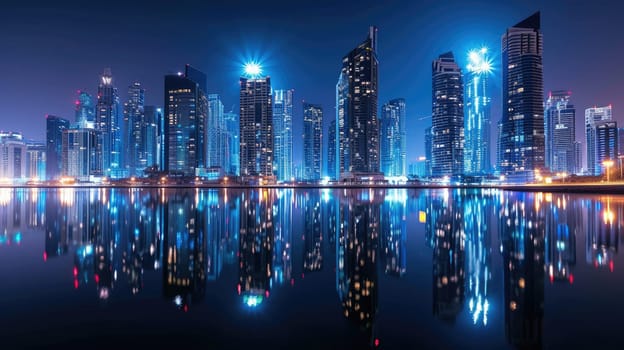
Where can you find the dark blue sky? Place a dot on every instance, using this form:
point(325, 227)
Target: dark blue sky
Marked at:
point(51, 49)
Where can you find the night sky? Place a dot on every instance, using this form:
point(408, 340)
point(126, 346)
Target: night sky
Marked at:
point(51, 49)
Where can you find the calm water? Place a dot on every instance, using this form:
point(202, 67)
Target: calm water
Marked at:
point(318, 269)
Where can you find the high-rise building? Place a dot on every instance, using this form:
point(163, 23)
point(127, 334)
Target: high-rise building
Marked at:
point(152, 138)
point(593, 117)
point(357, 125)
point(559, 132)
point(232, 154)
point(606, 145)
point(256, 128)
point(393, 139)
point(216, 147)
point(54, 145)
point(186, 109)
point(332, 171)
point(312, 141)
point(522, 134)
point(108, 113)
point(282, 133)
point(79, 150)
point(477, 115)
point(36, 160)
point(447, 118)
point(428, 151)
point(85, 110)
point(13, 159)
point(133, 127)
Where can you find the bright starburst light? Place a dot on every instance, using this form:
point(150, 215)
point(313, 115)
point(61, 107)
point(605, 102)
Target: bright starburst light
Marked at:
point(252, 69)
point(479, 62)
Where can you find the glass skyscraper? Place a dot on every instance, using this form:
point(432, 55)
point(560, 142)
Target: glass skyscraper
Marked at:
point(256, 128)
point(332, 171)
point(152, 131)
point(232, 154)
point(215, 134)
point(447, 118)
point(107, 117)
point(357, 124)
point(594, 117)
point(477, 113)
point(54, 145)
point(282, 133)
point(85, 110)
point(559, 132)
point(186, 108)
point(133, 128)
point(79, 150)
point(522, 134)
point(312, 141)
point(393, 138)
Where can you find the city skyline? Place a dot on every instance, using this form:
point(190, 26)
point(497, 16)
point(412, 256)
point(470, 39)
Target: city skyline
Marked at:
point(396, 59)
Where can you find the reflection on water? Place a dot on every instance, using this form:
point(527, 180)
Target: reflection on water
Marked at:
point(273, 238)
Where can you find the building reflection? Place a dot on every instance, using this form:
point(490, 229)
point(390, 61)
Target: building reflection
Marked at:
point(448, 239)
point(602, 218)
point(522, 228)
point(477, 223)
point(561, 224)
point(356, 270)
point(393, 231)
point(184, 247)
point(313, 235)
point(256, 239)
point(283, 240)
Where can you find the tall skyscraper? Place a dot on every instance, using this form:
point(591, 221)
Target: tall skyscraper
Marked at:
point(593, 117)
point(232, 154)
point(559, 132)
point(107, 121)
point(256, 128)
point(312, 141)
point(606, 138)
point(54, 145)
point(393, 139)
point(13, 159)
point(522, 138)
point(152, 138)
point(186, 109)
point(332, 171)
point(216, 146)
point(282, 133)
point(36, 160)
point(79, 150)
point(447, 118)
point(477, 119)
point(357, 125)
point(133, 127)
point(428, 151)
point(85, 110)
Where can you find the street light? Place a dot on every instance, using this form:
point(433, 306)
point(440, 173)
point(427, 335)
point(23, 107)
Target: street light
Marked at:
point(607, 164)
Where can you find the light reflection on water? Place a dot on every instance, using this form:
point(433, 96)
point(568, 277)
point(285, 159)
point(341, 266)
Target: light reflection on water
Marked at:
point(492, 253)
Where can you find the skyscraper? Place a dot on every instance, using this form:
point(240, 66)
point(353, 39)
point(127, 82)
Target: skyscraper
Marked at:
point(215, 134)
point(428, 150)
point(232, 154)
point(13, 159)
point(256, 130)
point(85, 110)
point(357, 125)
point(522, 134)
point(393, 139)
point(186, 108)
point(477, 118)
point(447, 118)
point(332, 172)
point(107, 123)
point(282, 133)
point(79, 149)
point(54, 149)
point(606, 145)
point(152, 130)
point(133, 127)
point(312, 141)
point(559, 132)
point(593, 117)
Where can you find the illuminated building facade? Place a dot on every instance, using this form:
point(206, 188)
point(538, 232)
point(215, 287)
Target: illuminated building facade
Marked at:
point(215, 134)
point(79, 152)
point(357, 124)
point(12, 156)
point(54, 145)
point(593, 117)
point(107, 123)
point(522, 134)
point(282, 133)
point(447, 118)
point(477, 114)
point(393, 138)
point(35, 160)
point(133, 128)
point(312, 141)
point(332, 170)
point(256, 128)
point(186, 108)
point(84, 110)
point(152, 135)
point(560, 132)
point(232, 140)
